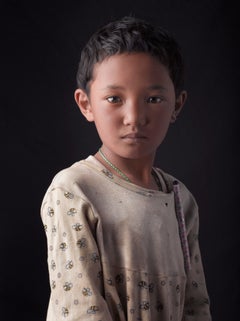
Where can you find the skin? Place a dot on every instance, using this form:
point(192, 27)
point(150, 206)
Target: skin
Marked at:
point(132, 101)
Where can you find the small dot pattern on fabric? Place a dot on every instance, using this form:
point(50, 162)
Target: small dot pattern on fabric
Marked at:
point(93, 270)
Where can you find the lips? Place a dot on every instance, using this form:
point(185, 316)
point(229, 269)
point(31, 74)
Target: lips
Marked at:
point(134, 136)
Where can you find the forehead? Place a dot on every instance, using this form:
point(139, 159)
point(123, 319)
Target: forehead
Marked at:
point(138, 67)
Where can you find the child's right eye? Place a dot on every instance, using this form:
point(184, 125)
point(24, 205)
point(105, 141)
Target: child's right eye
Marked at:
point(113, 99)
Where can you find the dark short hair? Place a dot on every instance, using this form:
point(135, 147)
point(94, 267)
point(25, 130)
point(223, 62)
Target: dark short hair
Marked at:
point(131, 35)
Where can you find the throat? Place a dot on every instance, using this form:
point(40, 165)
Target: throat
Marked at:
point(150, 182)
point(120, 173)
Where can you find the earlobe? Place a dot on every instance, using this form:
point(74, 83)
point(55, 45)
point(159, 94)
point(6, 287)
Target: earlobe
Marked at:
point(83, 103)
point(180, 101)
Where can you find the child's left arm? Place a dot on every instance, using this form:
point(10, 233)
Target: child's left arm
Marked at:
point(196, 305)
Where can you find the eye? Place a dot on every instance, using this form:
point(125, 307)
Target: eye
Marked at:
point(154, 100)
point(113, 99)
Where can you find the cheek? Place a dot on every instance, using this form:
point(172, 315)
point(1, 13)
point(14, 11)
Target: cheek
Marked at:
point(108, 118)
point(162, 117)
point(160, 124)
point(105, 124)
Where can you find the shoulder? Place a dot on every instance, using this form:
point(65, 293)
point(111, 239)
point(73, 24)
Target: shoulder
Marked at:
point(188, 202)
point(187, 197)
point(67, 189)
point(67, 176)
point(76, 175)
point(70, 180)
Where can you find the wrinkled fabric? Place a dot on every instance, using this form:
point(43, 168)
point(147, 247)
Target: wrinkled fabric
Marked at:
point(114, 252)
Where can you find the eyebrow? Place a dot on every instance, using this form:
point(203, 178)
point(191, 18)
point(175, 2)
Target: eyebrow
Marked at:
point(157, 87)
point(153, 87)
point(113, 87)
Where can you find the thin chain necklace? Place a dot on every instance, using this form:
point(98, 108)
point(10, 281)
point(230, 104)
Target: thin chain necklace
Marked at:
point(155, 176)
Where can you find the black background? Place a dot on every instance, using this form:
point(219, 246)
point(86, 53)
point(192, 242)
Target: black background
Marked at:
point(42, 132)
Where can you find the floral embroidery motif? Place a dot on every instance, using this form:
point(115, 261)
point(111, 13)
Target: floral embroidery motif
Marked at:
point(94, 257)
point(100, 275)
point(93, 309)
point(110, 281)
point(77, 227)
point(67, 286)
point(72, 211)
point(151, 287)
point(107, 173)
point(53, 265)
point(119, 278)
point(86, 292)
point(65, 312)
point(69, 265)
point(145, 305)
point(68, 195)
point(194, 283)
point(50, 211)
point(144, 285)
point(63, 246)
point(82, 242)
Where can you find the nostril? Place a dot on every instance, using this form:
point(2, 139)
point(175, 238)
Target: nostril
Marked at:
point(135, 116)
point(135, 122)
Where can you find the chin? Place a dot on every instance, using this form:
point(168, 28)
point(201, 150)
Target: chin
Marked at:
point(135, 153)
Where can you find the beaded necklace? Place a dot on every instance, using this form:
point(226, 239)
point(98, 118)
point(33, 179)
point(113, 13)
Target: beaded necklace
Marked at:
point(155, 176)
point(113, 166)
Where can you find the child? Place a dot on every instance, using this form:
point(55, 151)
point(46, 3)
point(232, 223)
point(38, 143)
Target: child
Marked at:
point(123, 235)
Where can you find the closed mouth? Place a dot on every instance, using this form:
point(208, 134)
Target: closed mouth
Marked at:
point(134, 136)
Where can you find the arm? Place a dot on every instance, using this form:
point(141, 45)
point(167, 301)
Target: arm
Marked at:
point(73, 259)
point(196, 307)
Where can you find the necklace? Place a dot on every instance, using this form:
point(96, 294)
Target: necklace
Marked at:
point(154, 174)
point(113, 166)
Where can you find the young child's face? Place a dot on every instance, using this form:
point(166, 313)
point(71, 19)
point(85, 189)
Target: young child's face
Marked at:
point(132, 102)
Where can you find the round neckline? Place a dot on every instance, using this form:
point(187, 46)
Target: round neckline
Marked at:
point(94, 163)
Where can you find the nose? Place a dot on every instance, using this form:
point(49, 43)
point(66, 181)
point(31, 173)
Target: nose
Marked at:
point(135, 114)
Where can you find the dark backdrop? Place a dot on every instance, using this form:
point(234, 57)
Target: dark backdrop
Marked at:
point(42, 132)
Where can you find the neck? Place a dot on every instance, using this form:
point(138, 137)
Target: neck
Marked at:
point(135, 171)
point(109, 163)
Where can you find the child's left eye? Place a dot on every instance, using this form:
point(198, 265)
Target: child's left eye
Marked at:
point(154, 100)
point(113, 99)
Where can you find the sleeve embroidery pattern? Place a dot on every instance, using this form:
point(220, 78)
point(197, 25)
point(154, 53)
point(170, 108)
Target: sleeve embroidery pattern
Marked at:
point(73, 259)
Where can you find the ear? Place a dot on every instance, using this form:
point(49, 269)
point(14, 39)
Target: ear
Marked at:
point(180, 101)
point(83, 103)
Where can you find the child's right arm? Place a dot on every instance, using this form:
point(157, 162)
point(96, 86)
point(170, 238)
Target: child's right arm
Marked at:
point(73, 259)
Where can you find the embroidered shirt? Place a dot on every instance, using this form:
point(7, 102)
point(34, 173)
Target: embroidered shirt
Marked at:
point(114, 251)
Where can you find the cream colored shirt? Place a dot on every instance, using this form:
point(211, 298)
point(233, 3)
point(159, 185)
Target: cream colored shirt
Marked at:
point(114, 252)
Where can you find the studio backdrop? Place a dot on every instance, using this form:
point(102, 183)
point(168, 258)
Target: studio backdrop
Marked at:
point(42, 132)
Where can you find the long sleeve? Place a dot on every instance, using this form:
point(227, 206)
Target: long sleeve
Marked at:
point(73, 259)
point(196, 307)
